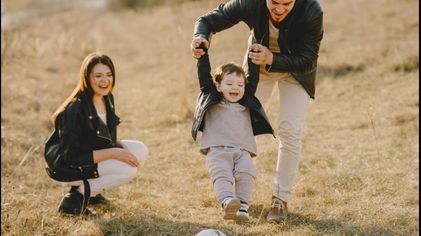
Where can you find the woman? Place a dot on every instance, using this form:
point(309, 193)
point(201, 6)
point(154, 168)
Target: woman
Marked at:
point(87, 127)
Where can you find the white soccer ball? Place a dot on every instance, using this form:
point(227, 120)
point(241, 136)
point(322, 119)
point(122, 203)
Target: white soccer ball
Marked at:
point(210, 232)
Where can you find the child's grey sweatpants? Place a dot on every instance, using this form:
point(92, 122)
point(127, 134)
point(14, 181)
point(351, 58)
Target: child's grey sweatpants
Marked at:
point(232, 172)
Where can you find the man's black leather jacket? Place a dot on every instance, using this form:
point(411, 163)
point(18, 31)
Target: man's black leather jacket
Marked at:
point(300, 34)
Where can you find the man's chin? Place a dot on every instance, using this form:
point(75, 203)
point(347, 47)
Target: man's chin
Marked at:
point(277, 19)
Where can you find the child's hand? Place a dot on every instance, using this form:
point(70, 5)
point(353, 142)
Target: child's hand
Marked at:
point(197, 50)
point(203, 47)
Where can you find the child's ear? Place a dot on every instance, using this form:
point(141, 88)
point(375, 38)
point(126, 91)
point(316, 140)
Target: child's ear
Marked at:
point(218, 86)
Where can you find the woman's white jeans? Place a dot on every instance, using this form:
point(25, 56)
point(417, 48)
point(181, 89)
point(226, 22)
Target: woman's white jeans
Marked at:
point(113, 173)
point(293, 105)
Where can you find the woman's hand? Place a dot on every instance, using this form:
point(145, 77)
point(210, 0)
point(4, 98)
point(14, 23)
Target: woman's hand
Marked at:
point(197, 52)
point(120, 154)
point(260, 54)
point(126, 156)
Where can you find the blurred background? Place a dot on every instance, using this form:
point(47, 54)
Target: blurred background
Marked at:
point(360, 164)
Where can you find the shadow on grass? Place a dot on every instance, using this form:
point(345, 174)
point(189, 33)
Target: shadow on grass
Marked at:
point(153, 225)
point(146, 224)
point(323, 226)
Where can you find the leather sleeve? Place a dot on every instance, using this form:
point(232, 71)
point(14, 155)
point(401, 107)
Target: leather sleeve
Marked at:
point(223, 17)
point(253, 81)
point(303, 59)
point(204, 72)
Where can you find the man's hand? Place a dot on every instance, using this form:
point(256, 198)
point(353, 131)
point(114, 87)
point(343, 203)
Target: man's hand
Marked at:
point(260, 54)
point(197, 52)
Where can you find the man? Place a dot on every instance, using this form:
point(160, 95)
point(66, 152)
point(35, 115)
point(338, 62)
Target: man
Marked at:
point(283, 50)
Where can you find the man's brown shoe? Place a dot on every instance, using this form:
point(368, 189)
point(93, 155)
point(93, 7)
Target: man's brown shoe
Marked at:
point(278, 211)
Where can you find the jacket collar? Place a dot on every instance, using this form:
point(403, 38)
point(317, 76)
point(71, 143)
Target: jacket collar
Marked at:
point(93, 119)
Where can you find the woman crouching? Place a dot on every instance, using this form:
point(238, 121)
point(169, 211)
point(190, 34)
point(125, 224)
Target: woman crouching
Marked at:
point(86, 134)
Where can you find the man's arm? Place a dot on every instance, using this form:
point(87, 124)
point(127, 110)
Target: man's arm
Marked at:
point(221, 18)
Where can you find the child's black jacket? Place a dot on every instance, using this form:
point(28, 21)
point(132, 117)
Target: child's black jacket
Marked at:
point(209, 96)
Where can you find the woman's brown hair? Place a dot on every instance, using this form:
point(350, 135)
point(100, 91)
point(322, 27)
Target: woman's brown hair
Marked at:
point(84, 83)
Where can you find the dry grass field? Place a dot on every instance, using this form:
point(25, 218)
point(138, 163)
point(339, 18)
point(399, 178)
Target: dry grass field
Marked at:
point(360, 164)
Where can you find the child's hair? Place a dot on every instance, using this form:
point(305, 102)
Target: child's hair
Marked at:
point(229, 68)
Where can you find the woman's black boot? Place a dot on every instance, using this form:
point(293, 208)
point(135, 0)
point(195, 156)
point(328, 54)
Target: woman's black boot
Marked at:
point(72, 203)
point(98, 199)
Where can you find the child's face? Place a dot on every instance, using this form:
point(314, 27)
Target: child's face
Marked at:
point(231, 87)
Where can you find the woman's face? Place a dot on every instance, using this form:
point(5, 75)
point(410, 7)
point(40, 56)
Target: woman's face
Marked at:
point(101, 79)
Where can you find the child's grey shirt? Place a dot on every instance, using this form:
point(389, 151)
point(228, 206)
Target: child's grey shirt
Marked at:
point(228, 124)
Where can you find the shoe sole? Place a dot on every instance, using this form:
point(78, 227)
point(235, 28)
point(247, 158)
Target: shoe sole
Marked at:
point(64, 212)
point(231, 209)
point(100, 203)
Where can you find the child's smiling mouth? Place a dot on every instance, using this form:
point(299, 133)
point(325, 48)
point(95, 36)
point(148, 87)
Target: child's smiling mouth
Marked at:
point(233, 94)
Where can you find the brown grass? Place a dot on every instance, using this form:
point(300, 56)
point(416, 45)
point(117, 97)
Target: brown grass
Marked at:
point(360, 162)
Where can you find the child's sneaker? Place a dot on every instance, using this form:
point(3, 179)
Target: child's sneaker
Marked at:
point(243, 213)
point(230, 207)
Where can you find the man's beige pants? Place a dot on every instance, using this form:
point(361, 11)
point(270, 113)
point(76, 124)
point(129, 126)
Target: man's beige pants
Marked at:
point(293, 105)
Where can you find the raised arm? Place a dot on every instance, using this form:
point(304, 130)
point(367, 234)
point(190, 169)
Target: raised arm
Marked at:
point(223, 17)
point(204, 71)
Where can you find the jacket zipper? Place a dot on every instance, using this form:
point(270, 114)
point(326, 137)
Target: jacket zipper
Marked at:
point(100, 136)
